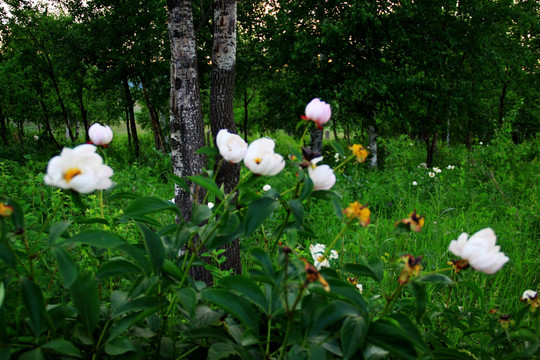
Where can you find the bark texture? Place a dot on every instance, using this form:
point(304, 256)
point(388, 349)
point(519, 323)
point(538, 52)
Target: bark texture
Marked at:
point(131, 115)
point(186, 119)
point(221, 102)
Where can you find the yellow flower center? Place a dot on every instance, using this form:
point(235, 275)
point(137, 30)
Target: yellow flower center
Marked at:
point(258, 160)
point(71, 173)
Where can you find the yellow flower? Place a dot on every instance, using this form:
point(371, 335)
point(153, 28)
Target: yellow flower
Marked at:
point(5, 210)
point(360, 153)
point(358, 211)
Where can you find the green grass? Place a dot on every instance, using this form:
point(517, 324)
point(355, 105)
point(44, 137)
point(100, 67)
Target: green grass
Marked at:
point(493, 186)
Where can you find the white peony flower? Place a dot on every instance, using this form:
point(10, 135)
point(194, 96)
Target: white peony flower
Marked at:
point(261, 158)
point(414, 183)
point(100, 135)
point(317, 252)
point(437, 170)
point(323, 177)
point(318, 111)
point(529, 295)
point(210, 205)
point(231, 146)
point(480, 251)
point(450, 167)
point(431, 174)
point(80, 169)
point(36, 138)
point(266, 187)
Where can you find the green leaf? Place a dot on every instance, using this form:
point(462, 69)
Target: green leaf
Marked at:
point(2, 293)
point(172, 269)
point(187, 299)
point(297, 210)
point(180, 182)
point(452, 354)
point(18, 215)
point(56, 230)
point(258, 211)
point(221, 350)
point(233, 304)
point(207, 150)
point(34, 303)
point(84, 293)
point(66, 266)
point(138, 304)
point(138, 255)
point(364, 267)
point(339, 149)
point(421, 296)
point(200, 213)
point(97, 238)
point(35, 354)
point(154, 246)
point(116, 268)
point(389, 336)
point(148, 205)
point(434, 278)
point(7, 256)
point(208, 184)
point(119, 346)
point(263, 259)
point(229, 224)
point(247, 288)
point(63, 347)
point(353, 334)
point(307, 189)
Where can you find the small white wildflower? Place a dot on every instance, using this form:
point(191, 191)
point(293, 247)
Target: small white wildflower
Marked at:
point(336, 156)
point(210, 205)
point(181, 252)
point(411, 144)
point(437, 170)
point(172, 200)
point(414, 183)
point(529, 295)
point(431, 174)
point(481, 143)
point(360, 288)
point(266, 187)
point(36, 138)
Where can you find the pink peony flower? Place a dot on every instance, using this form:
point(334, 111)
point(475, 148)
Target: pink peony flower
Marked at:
point(318, 111)
point(100, 135)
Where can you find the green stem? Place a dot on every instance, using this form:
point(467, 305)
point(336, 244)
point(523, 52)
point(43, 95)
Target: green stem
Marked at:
point(305, 132)
point(290, 315)
point(189, 352)
point(339, 235)
point(347, 160)
point(390, 302)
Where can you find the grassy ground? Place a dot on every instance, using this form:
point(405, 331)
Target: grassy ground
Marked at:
point(495, 186)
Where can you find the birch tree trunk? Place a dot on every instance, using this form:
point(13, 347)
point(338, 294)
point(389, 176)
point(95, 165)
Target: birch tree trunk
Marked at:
point(221, 103)
point(186, 119)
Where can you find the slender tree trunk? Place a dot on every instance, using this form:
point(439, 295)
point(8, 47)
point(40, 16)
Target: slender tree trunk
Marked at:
point(65, 115)
point(502, 99)
point(372, 130)
point(246, 115)
point(3, 127)
point(316, 140)
point(221, 103)
point(186, 118)
point(47, 122)
point(154, 119)
point(84, 113)
point(431, 145)
point(129, 104)
point(128, 128)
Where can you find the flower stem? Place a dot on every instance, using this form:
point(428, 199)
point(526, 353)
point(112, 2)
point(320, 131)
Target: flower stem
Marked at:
point(336, 238)
point(391, 300)
point(346, 161)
